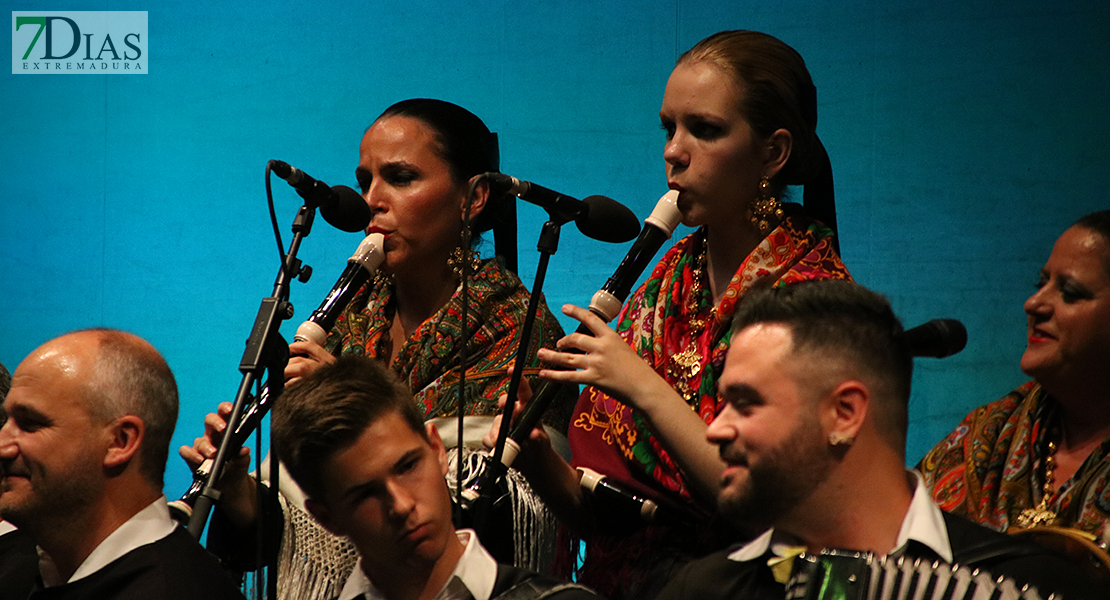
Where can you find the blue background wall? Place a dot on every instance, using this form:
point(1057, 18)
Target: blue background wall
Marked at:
point(964, 139)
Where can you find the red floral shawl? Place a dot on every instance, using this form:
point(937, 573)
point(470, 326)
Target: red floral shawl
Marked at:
point(611, 437)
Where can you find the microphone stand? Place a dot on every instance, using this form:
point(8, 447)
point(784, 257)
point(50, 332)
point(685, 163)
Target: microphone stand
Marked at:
point(482, 506)
point(266, 350)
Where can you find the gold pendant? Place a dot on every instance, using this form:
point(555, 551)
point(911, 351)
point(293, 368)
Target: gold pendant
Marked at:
point(1035, 517)
point(687, 364)
point(683, 367)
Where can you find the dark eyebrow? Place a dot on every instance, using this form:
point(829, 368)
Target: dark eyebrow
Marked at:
point(359, 488)
point(376, 484)
point(21, 411)
point(705, 116)
point(1074, 286)
point(407, 458)
point(739, 391)
point(399, 164)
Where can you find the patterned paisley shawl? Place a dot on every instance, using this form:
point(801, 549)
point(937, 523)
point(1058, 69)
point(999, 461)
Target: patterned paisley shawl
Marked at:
point(428, 360)
point(991, 468)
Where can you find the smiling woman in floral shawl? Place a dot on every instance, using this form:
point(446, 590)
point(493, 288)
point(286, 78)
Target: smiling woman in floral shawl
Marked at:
point(1041, 455)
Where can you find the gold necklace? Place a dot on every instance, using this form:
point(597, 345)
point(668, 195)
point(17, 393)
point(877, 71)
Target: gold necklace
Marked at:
point(1043, 514)
point(686, 365)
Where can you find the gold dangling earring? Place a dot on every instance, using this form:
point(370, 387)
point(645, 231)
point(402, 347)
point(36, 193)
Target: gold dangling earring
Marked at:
point(461, 256)
point(764, 207)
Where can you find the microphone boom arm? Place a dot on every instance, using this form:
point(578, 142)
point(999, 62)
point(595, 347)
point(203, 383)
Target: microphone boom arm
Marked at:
point(265, 350)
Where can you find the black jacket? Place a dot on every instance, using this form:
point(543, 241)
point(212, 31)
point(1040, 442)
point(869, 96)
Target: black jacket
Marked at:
point(173, 568)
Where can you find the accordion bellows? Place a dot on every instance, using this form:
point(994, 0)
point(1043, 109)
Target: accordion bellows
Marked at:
point(848, 575)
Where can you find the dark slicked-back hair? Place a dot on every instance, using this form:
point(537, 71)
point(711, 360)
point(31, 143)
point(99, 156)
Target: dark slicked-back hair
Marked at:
point(1098, 222)
point(845, 323)
point(327, 411)
point(465, 144)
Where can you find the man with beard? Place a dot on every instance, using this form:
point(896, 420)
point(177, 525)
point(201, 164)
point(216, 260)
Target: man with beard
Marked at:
point(816, 384)
point(82, 455)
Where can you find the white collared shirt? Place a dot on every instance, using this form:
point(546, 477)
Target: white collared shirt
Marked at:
point(147, 526)
point(473, 577)
point(924, 523)
point(6, 527)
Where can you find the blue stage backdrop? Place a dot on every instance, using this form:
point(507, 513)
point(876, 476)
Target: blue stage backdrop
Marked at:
point(965, 137)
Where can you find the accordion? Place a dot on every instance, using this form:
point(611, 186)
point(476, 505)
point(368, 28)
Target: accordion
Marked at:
point(847, 575)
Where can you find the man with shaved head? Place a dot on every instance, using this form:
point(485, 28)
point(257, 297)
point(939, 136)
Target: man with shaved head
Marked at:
point(82, 454)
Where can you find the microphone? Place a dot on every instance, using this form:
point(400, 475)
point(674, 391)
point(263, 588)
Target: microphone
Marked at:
point(606, 304)
point(362, 264)
point(937, 338)
point(597, 217)
point(340, 206)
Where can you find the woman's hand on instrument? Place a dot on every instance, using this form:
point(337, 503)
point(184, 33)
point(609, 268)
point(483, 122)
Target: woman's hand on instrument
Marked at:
point(612, 366)
point(537, 441)
point(237, 496)
point(608, 363)
point(550, 476)
point(304, 359)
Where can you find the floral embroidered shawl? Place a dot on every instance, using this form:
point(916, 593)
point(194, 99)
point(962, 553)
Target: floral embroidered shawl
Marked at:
point(612, 438)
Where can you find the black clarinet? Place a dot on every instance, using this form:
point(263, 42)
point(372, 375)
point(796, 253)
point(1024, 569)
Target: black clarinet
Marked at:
point(360, 267)
point(606, 303)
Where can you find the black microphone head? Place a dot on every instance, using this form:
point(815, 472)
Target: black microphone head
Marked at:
point(349, 212)
point(500, 181)
point(607, 220)
point(938, 338)
point(281, 169)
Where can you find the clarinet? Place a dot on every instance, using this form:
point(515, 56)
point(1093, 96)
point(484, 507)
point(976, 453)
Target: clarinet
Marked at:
point(182, 510)
point(360, 267)
point(606, 303)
